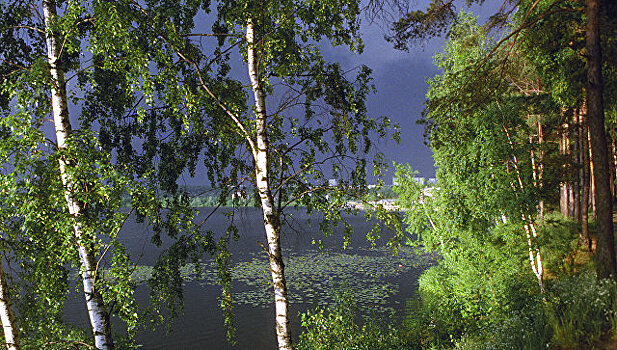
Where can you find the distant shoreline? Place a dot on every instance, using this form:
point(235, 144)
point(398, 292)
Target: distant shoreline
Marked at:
point(388, 204)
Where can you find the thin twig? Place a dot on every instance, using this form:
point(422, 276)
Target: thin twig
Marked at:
point(24, 27)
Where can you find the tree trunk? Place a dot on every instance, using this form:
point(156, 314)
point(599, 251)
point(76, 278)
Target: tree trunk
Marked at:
point(541, 169)
point(535, 255)
point(271, 216)
point(564, 187)
point(99, 318)
point(576, 174)
point(537, 166)
point(611, 164)
point(605, 251)
point(585, 179)
point(614, 166)
point(11, 336)
point(592, 178)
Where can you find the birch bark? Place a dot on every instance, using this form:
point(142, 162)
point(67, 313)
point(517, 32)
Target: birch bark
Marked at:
point(535, 256)
point(270, 215)
point(576, 180)
point(11, 336)
point(592, 179)
point(564, 186)
point(99, 318)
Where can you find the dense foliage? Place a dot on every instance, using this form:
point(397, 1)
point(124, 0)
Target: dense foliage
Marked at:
point(140, 94)
point(137, 101)
point(509, 212)
point(337, 327)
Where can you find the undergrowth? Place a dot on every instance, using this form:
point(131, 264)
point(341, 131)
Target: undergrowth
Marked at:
point(338, 328)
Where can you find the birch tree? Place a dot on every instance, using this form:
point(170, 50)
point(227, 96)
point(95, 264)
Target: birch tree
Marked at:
point(289, 156)
point(7, 315)
point(271, 35)
point(564, 73)
point(482, 215)
point(20, 174)
point(99, 317)
point(76, 187)
point(272, 225)
point(37, 281)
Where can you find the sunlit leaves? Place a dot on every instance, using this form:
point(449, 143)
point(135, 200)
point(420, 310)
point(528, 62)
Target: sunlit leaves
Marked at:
point(482, 133)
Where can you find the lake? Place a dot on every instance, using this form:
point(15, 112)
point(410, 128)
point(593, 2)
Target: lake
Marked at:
point(381, 283)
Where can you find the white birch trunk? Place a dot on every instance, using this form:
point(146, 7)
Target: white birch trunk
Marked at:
point(535, 257)
point(540, 183)
point(99, 319)
point(271, 218)
point(11, 336)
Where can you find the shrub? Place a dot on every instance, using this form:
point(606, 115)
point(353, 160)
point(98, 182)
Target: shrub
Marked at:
point(578, 310)
point(559, 239)
point(581, 309)
point(336, 328)
point(521, 329)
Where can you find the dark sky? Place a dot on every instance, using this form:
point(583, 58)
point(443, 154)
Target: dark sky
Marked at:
point(400, 78)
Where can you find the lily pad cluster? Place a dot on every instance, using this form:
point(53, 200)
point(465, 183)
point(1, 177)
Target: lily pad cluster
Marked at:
point(315, 277)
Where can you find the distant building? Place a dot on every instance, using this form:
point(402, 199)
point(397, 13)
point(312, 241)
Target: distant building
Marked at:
point(332, 182)
point(432, 181)
point(394, 181)
point(419, 180)
point(371, 186)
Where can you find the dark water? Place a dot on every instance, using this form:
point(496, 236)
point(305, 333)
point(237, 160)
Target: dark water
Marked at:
point(380, 282)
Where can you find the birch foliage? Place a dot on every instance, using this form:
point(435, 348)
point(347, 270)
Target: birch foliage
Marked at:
point(309, 121)
point(96, 181)
point(481, 213)
point(150, 98)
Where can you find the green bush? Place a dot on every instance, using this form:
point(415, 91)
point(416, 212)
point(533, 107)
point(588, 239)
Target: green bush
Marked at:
point(483, 296)
point(336, 328)
point(521, 329)
point(560, 242)
point(581, 309)
point(577, 311)
point(473, 286)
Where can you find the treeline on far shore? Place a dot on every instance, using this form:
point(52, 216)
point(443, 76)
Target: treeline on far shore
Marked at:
point(203, 196)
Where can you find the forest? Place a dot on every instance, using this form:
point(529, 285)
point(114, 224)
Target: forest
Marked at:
point(108, 106)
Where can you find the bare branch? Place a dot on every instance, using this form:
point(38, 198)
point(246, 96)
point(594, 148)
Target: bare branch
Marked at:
point(24, 27)
point(207, 34)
